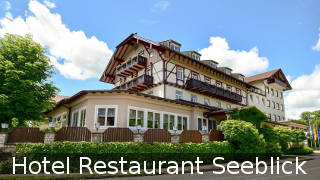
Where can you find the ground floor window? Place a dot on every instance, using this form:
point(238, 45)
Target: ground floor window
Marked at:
point(106, 116)
point(206, 125)
point(155, 119)
point(78, 118)
point(83, 117)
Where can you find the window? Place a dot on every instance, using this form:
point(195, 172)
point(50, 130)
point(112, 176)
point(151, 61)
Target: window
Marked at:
point(193, 98)
point(64, 119)
point(136, 117)
point(207, 101)
point(228, 106)
point(218, 84)
point(282, 108)
point(83, 118)
point(272, 92)
point(277, 94)
point(174, 47)
point(273, 105)
point(219, 104)
point(195, 76)
point(172, 117)
point(195, 56)
point(278, 106)
point(207, 80)
point(268, 103)
point(238, 91)
point(153, 120)
point(267, 90)
point(229, 88)
point(212, 124)
point(213, 65)
point(179, 122)
point(263, 101)
point(178, 94)
point(150, 93)
point(180, 74)
point(283, 118)
point(258, 99)
point(185, 123)
point(281, 95)
point(75, 118)
point(106, 115)
point(228, 71)
point(269, 115)
point(251, 97)
point(202, 124)
point(274, 117)
point(165, 121)
point(279, 118)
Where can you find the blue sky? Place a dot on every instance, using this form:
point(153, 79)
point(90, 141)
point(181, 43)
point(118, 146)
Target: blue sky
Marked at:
point(283, 34)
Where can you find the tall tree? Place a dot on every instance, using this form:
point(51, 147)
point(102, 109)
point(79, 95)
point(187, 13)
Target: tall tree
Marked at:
point(25, 91)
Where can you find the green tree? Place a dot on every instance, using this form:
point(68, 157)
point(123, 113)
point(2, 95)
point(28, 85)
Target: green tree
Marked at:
point(297, 136)
point(250, 114)
point(273, 147)
point(25, 91)
point(284, 136)
point(244, 137)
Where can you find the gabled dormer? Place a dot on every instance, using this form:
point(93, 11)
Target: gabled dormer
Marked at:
point(211, 63)
point(173, 45)
point(238, 76)
point(226, 70)
point(193, 54)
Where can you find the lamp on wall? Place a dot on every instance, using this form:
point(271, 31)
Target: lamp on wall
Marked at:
point(175, 130)
point(138, 127)
point(4, 126)
point(97, 126)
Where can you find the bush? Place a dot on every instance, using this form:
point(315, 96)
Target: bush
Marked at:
point(272, 143)
point(284, 136)
point(113, 151)
point(302, 150)
point(250, 114)
point(244, 138)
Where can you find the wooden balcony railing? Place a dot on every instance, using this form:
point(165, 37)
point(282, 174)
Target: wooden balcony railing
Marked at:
point(131, 66)
point(137, 84)
point(214, 91)
point(277, 81)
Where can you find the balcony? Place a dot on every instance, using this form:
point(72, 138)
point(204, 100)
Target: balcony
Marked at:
point(137, 84)
point(276, 82)
point(210, 90)
point(131, 66)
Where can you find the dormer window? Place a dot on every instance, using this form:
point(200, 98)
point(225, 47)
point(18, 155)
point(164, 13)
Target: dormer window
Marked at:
point(196, 57)
point(213, 65)
point(228, 71)
point(174, 47)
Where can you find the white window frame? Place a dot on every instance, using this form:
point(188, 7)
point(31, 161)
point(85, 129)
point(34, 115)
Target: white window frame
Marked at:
point(193, 97)
point(85, 117)
point(179, 73)
point(208, 101)
point(177, 94)
point(106, 107)
point(207, 80)
point(145, 121)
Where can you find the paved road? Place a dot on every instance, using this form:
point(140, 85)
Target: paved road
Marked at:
point(312, 168)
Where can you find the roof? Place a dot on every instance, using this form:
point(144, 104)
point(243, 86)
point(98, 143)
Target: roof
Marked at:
point(294, 124)
point(273, 73)
point(260, 76)
point(110, 70)
point(84, 92)
point(58, 98)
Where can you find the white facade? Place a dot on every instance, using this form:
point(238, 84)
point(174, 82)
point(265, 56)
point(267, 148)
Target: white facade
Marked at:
point(269, 99)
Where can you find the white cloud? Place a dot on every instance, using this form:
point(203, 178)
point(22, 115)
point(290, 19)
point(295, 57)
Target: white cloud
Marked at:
point(240, 61)
point(7, 5)
point(305, 95)
point(49, 4)
point(160, 6)
point(8, 15)
point(317, 46)
point(80, 57)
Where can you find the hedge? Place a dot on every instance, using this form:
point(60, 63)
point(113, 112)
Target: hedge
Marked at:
point(130, 151)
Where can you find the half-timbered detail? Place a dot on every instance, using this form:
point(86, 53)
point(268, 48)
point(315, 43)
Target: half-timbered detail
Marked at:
point(159, 86)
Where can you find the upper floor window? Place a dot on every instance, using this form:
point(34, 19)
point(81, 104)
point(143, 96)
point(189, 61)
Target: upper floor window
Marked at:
point(277, 93)
point(278, 106)
point(268, 103)
point(238, 91)
point(219, 104)
point(251, 97)
point(229, 88)
point(178, 94)
point(263, 101)
point(180, 73)
point(207, 80)
point(272, 92)
point(207, 101)
point(273, 105)
point(218, 84)
point(267, 90)
point(228, 71)
point(193, 98)
point(174, 47)
point(281, 95)
point(214, 65)
point(195, 56)
point(282, 108)
point(195, 76)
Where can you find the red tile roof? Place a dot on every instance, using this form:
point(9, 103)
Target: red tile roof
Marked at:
point(58, 98)
point(261, 76)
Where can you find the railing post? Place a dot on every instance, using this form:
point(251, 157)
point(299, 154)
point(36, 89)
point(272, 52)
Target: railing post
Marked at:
point(138, 137)
point(96, 137)
point(3, 138)
point(49, 137)
point(205, 137)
